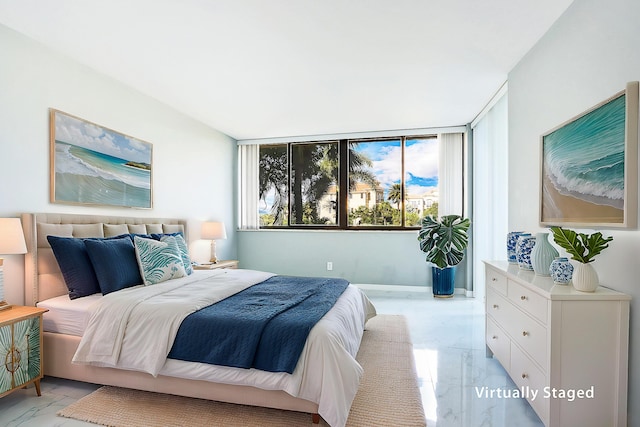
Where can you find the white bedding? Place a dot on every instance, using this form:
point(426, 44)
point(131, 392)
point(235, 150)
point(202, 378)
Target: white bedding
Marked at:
point(327, 372)
point(67, 316)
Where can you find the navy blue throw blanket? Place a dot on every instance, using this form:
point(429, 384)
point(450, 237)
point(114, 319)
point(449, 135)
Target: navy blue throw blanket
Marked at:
point(264, 327)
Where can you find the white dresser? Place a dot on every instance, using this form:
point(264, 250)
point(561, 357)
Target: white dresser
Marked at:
point(567, 351)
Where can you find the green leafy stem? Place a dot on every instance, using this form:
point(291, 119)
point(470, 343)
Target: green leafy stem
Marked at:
point(582, 247)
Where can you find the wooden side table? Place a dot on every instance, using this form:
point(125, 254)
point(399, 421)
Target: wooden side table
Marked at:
point(220, 264)
point(20, 348)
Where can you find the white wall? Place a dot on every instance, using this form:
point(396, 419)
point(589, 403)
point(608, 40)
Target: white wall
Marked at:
point(587, 56)
point(193, 164)
point(364, 257)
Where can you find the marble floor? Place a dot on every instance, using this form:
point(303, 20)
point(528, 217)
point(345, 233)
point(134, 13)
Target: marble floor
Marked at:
point(448, 337)
point(451, 362)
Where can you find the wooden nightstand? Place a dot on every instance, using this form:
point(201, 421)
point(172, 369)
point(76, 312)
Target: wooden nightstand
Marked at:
point(220, 264)
point(20, 348)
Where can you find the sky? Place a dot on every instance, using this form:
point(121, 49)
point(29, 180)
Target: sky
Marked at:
point(421, 163)
point(97, 138)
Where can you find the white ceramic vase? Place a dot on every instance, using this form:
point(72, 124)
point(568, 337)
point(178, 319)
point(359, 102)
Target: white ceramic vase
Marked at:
point(585, 277)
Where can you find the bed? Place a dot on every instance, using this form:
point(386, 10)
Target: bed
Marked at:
point(323, 383)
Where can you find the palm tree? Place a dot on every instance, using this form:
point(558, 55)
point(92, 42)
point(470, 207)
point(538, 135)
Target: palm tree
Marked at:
point(395, 194)
point(359, 165)
point(312, 174)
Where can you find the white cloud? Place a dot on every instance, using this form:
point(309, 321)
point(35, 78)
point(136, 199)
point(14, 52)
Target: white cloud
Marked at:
point(388, 169)
point(421, 160)
point(93, 137)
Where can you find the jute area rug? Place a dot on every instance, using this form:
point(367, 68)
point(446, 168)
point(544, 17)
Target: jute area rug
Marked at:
point(388, 394)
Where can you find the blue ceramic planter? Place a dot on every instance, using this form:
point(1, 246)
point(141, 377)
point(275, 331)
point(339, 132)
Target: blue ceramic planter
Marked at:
point(443, 281)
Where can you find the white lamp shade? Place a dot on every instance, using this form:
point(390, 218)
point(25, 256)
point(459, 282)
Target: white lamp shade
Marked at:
point(213, 231)
point(11, 237)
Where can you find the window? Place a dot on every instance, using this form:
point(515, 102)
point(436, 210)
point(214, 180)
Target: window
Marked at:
point(274, 185)
point(396, 179)
point(298, 184)
point(390, 183)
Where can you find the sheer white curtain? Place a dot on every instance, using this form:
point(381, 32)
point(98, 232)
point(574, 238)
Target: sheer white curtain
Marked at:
point(248, 170)
point(490, 188)
point(450, 174)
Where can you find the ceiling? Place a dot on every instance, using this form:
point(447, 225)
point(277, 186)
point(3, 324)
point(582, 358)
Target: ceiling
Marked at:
point(258, 69)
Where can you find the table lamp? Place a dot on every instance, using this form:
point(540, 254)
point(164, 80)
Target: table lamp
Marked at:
point(11, 242)
point(213, 231)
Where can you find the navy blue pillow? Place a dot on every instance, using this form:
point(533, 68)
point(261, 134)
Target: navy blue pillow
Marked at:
point(144, 236)
point(159, 236)
point(115, 263)
point(75, 266)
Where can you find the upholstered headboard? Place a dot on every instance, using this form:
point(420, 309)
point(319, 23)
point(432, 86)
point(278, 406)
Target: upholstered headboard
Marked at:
point(43, 278)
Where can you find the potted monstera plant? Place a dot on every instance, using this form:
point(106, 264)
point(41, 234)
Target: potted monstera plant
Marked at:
point(583, 248)
point(444, 242)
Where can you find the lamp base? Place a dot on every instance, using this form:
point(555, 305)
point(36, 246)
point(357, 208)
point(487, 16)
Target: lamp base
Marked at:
point(4, 305)
point(214, 258)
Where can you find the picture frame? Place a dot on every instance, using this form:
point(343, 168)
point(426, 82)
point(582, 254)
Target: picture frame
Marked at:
point(94, 165)
point(589, 166)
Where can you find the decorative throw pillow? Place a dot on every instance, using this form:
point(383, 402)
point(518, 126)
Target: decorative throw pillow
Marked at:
point(75, 266)
point(159, 260)
point(114, 262)
point(184, 251)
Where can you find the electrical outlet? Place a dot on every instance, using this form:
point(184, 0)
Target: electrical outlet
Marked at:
point(329, 266)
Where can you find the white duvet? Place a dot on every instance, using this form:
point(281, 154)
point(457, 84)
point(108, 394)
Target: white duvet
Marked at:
point(148, 317)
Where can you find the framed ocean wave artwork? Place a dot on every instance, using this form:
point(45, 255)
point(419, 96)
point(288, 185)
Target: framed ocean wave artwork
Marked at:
point(94, 165)
point(589, 166)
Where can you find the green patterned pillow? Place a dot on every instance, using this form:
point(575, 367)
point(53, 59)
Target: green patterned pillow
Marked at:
point(184, 251)
point(158, 261)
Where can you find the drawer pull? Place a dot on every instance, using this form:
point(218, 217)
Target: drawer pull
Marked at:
point(525, 376)
point(495, 306)
point(523, 298)
point(495, 337)
point(525, 333)
point(494, 279)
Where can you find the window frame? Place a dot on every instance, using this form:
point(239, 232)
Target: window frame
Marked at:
point(343, 182)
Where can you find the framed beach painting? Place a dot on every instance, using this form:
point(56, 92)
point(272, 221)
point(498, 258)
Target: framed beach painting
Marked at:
point(93, 165)
point(589, 166)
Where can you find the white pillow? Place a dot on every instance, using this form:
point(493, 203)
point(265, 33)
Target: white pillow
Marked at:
point(158, 261)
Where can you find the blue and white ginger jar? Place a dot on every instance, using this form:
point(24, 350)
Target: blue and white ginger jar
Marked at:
point(525, 245)
point(512, 240)
point(561, 270)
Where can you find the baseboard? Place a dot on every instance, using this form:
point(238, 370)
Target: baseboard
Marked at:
point(391, 288)
point(405, 288)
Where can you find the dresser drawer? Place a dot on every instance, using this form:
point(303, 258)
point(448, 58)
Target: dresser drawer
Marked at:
point(531, 379)
point(496, 281)
point(497, 307)
point(528, 333)
point(498, 342)
point(529, 301)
